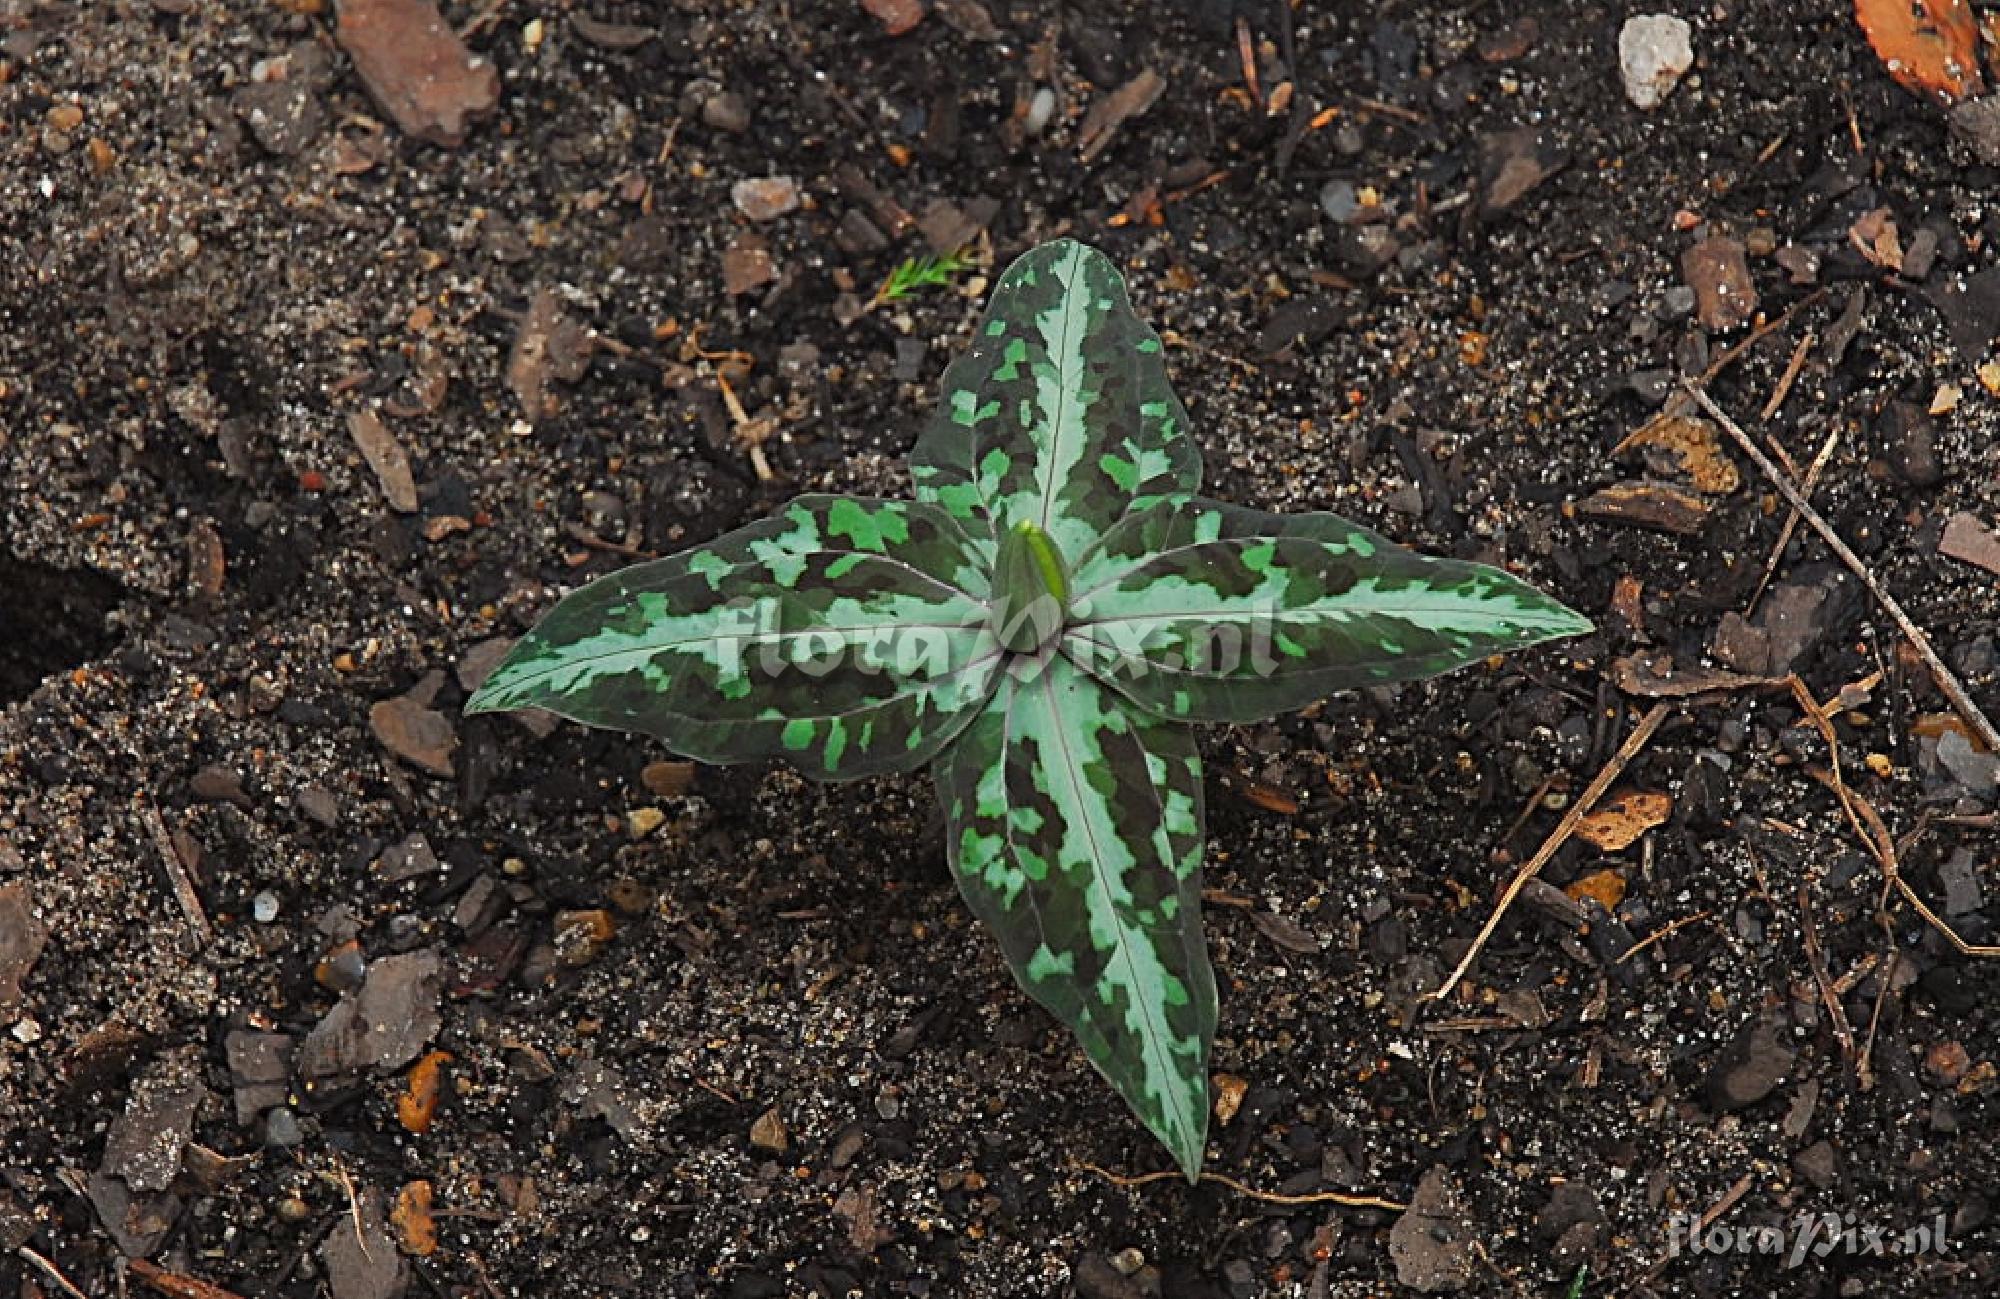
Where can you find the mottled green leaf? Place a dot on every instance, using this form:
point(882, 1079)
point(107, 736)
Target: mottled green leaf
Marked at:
point(1059, 413)
point(1074, 826)
point(849, 637)
point(1210, 612)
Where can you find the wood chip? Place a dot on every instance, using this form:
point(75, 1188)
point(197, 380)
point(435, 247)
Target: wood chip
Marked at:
point(385, 455)
point(360, 1255)
point(1648, 505)
point(1970, 541)
point(207, 565)
point(1284, 933)
point(610, 36)
point(768, 1133)
point(549, 345)
point(22, 935)
point(1654, 676)
point(1112, 111)
point(415, 67)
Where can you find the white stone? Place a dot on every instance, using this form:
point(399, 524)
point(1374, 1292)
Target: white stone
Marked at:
point(1654, 53)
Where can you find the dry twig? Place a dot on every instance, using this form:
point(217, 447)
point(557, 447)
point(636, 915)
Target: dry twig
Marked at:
point(177, 875)
point(1626, 752)
point(49, 1270)
point(1947, 680)
point(1267, 1197)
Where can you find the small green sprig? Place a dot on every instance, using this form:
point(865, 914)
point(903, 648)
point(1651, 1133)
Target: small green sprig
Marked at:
point(914, 273)
point(1039, 624)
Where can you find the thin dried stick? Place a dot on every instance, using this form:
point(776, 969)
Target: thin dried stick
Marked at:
point(1660, 934)
point(1873, 832)
point(49, 1270)
point(177, 875)
point(1816, 962)
point(1791, 526)
point(1947, 681)
point(1566, 827)
point(1789, 377)
point(1730, 1197)
point(1268, 1197)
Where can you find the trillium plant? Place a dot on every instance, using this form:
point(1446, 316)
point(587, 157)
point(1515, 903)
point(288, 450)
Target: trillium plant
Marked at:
point(1039, 625)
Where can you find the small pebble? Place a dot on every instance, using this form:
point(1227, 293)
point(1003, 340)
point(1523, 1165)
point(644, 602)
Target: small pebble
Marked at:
point(281, 1128)
point(264, 907)
point(294, 1210)
point(1041, 108)
point(1654, 53)
point(765, 198)
point(726, 111)
point(1337, 198)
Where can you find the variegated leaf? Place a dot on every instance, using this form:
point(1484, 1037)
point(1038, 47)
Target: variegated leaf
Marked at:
point(1074, 826)
point(1208, 612)
point(1059, 413)
point(847, 636)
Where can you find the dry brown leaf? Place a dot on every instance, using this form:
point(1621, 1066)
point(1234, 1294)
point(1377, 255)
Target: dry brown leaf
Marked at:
point(1874, 236)
point(1929, 46)
point(1622, 818)
point(1229, 1092)
point(417, 1105)
point(1607, 887)
point(1683, 444)
point(416, 1228)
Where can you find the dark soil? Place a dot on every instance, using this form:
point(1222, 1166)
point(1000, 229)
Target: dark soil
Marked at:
point(795, 1067)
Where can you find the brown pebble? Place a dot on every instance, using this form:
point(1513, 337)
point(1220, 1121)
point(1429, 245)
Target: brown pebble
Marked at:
point(1947, 1062)
point(768, 1133)
point(747, 264)
point(582, 936)
point(22, 935)
point(896, 16)
point(418, 735)
point(65, 117)
point(216, 783)
point(1716, 270)
point(765, 198)
point(630, 897)
point(726, 111)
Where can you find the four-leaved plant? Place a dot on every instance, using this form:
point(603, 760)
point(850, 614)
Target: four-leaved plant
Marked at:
point(1040, 622)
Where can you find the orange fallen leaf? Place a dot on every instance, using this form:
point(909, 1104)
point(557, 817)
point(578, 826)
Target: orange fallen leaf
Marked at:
point(416, 1228)
point(1623, 818)
point(1929, 46)
point(417, 1106)
point(1607, 887)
